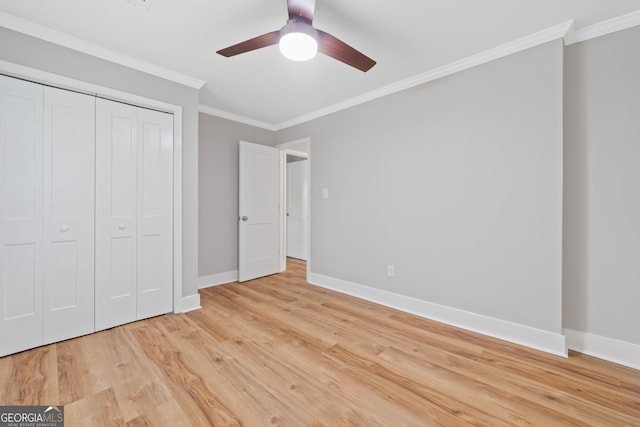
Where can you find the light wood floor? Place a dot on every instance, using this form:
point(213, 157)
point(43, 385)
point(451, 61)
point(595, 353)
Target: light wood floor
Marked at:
point(277, 351)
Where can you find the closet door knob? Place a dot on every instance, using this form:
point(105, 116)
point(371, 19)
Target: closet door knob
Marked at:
point(64, 228)
point(122, 226)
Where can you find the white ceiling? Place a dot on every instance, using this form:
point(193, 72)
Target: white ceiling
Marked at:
point(406, 37)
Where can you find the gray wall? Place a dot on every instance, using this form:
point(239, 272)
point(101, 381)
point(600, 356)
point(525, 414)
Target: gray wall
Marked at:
point(218, 191)
point(35, 53)
point(602, 186)
point(457, 182)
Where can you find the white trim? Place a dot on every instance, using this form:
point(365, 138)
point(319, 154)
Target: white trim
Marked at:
point(536, 39)
point(190, 303)
point(217, 279)
point(616, 351)
point(309, 212)
point(282, 203)
point(296, 153)
point(235, 117)
point(44, 77)
point(177, 207)
point(56, 37)
point(501, 329)
point(294, 143)
point(603, 28)
point(28, 73)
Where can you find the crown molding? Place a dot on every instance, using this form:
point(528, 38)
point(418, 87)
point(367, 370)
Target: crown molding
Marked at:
point(564, 31)
point(603, 28)
point(53, 36)
point(536, 39)
point(236, 118)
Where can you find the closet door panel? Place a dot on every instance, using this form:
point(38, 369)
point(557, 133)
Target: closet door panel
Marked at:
point(21, 213)
point(155, 206)
point(116, 213)
point(69, 159)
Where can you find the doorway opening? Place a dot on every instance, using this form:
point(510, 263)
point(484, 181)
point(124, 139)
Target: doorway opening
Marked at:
point(295, 196)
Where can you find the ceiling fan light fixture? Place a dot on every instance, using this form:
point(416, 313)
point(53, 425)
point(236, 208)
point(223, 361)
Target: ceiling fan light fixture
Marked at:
point(298, 41)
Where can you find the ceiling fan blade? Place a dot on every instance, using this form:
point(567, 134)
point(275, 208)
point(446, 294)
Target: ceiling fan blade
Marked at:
point(337, 49)
point(251, 44)
point(301, 8)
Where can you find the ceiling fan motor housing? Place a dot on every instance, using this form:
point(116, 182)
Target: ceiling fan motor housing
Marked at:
point(299, 25)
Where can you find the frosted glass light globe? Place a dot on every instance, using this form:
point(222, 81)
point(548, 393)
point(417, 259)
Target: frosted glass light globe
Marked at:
point(298, 46)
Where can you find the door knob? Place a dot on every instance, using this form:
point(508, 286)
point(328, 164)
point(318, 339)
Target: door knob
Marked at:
point(244, 218)
point(122, 226)
point(64, 228)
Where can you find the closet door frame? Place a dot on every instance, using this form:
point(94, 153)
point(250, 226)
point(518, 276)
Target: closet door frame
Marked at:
point(180, 304)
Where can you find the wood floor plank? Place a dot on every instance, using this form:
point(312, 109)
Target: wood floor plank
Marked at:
point(486, 393)
point(132, 378)
point(214, 321)
point(76, 378)
point(365, 403)
point(197, 399)
point(278, 351)
point(99, 409)
point(302, 392)
point(443, 408)
point(280, 323)
point(169, 414)
point(528, 372)
point(35, 386)
point(177, 322)
point(241, 390)
point(49, 370)
point(6, 368)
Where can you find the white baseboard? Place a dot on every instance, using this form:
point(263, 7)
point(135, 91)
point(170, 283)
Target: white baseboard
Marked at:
point(217, 279)
point(190, 303)
point(616, 351)
point(519, 334)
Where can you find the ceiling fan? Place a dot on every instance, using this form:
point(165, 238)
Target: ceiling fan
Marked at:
point(300, 40)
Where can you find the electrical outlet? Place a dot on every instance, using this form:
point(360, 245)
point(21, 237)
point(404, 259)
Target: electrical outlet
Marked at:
point(391, 270)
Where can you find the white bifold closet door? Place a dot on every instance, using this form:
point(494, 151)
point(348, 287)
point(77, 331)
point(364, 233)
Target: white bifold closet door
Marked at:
point(21, 232)
point(134, 213)
point(46, 214)
point(69, 170)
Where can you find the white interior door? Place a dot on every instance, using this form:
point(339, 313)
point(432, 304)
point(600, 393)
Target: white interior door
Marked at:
point(69, 159)
point(116, 213)
point(259, 225)
point(155, 214)
point(21, 215)
point(297, 202)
